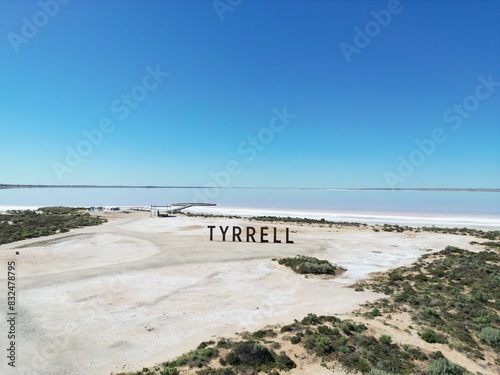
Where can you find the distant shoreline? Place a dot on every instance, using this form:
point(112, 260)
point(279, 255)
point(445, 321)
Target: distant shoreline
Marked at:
point(21, 186)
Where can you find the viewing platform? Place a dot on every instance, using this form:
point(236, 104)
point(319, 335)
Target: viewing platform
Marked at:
point(168, 210)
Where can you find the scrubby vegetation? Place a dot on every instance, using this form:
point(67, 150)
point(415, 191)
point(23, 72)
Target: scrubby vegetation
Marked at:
point(18, 225)
point(304, 220)
point(489, 235)
point(196, 358)
point(235, 357)
point(453, 299)
point(453, 294)
point(393, 228)
point(276, 219)
point(330, 339)
point(490, 336)
point(310, 265)
point(430, 336)
point(207, 216)
point(491, 245)
point(252, 355)
point(347, 343)
point(441, 366)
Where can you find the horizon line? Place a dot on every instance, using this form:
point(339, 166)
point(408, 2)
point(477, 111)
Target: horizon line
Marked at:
point(87, 186)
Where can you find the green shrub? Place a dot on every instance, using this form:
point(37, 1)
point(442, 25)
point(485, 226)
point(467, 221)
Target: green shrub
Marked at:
point(260, 334)
point(395, 276)
point(311, 319)
point(204, 344)
point(326, 331)
point(433, 337)
point(224, 344)
point(304, 265)
point(287, 328)
point(295, 339)
point(249, 353)
point(284, 362)
point(431, 312)
point(323, 346)
point(374, 312)
point(490, 336)
point(196, 358)
point(385, 339)
point(362, 366)
point(442, 366)
point(342, 340)
point(415, 353)
point(347, 326)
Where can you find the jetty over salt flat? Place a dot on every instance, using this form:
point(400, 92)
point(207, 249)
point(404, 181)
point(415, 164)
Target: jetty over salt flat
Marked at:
point(167, 210)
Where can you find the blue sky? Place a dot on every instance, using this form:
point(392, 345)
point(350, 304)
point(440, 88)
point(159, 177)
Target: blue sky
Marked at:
point(351, 121)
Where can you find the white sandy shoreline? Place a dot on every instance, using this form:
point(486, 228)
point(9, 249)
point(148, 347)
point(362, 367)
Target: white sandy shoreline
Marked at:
point(483, 222)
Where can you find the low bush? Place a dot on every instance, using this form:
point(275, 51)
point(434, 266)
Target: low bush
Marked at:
point(304, 265)
point(18, 225)
point(195, 358)
point(374, 312)
point(251, 354)
point(432, 337)
point(442, 366)
point(385, 339)
point(295, 339)
point(490, 336)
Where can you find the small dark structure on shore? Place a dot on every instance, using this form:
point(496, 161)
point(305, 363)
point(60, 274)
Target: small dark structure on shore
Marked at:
point(168, 210)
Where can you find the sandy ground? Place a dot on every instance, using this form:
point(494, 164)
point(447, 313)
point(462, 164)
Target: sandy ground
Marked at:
point(138, 290)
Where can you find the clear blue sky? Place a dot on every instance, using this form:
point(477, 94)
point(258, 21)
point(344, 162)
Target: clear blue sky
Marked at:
point(229, 68)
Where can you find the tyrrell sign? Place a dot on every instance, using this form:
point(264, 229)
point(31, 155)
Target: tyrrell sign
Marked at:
point(248, 234)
